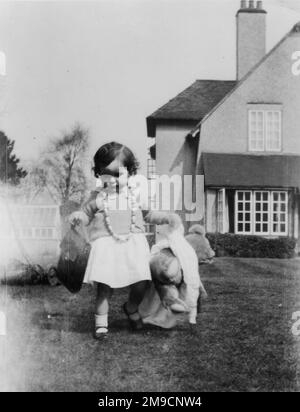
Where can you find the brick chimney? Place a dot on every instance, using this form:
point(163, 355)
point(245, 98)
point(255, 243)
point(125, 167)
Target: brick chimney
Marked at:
point(251, 35)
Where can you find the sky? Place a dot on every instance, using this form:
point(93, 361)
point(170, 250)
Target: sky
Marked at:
point(110, 63)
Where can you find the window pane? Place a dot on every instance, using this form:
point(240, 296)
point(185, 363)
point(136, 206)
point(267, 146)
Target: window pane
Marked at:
point(243, 208)
point(256, 130)
point(279, 212)
point(282, 197)
point(262, 212)
point(273, 132)
point(259, 119)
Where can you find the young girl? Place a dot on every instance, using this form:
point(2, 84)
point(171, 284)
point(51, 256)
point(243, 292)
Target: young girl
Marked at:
point(120, 253)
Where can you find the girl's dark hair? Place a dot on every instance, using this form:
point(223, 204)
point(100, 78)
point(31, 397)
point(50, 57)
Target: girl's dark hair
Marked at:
point(109, 152)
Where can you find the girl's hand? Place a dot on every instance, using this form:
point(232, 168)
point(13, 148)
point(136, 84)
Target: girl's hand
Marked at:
point(75, 219)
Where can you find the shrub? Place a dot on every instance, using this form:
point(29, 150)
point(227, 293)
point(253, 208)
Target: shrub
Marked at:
point(229, 244)
point(18, 273)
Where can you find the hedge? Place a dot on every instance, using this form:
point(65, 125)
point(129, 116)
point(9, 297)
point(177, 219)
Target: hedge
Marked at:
point(229, 244)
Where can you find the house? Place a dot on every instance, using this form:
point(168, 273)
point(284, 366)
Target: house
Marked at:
point(242, 135)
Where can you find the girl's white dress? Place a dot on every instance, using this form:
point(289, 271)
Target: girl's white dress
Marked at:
point(114, 263)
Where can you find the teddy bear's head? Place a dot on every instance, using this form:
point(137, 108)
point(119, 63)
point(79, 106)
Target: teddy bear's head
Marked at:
point(165, 267)
point(199, 229)
point(197, 239)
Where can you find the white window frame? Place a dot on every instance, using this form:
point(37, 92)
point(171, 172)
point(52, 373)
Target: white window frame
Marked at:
point(267, 141)
point(266, 147)
point(270, 212)
point(244, 211)
point(250, 140)
point(261, 212)
point(285, 202)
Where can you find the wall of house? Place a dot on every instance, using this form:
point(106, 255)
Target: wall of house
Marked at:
point(226, 129)
point(176, 155)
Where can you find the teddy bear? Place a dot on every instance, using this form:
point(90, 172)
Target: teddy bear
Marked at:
point(167, 276)
point(175, 273)
point(197, 239)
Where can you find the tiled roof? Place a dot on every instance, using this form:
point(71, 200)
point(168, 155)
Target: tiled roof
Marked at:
point(245, 170)
point(193, 103)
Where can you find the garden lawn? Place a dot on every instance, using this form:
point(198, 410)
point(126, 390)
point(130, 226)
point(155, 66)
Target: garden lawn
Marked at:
point(243, 340)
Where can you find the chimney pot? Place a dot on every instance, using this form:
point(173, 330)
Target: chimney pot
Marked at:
point(259, 5)
point(243, 4)
point(251, 4)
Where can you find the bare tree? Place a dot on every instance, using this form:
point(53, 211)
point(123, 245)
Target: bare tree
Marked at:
point(33, 184)
point(63, 165)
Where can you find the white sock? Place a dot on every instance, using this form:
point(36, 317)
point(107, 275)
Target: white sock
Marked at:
point(101, 321)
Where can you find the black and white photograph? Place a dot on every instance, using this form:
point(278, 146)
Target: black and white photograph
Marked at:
point(150, 198)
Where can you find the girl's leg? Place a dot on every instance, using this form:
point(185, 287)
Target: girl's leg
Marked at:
point(136, 295)
point(137, 292)
point(104, 292)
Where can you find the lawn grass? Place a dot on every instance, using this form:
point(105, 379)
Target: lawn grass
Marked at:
point(243, 340)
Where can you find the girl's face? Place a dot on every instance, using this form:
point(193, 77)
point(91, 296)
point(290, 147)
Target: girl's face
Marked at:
point(115, 175)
